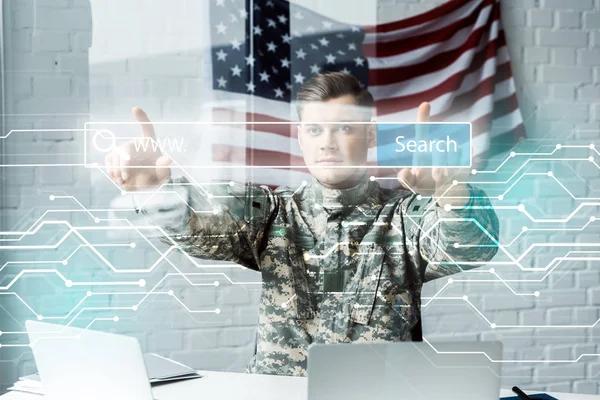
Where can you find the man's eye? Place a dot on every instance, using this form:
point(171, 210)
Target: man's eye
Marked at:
point(344, 128)
point(314, 131)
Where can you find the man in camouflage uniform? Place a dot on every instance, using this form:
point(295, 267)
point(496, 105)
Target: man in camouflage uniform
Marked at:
point(342, 259)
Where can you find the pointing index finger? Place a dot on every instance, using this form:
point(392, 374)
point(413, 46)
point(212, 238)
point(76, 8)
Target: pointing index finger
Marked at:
point(145, 123)
point(422, 134)
point(423, 113)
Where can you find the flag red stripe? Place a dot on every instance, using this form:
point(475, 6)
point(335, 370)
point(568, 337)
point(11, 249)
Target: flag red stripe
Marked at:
point(438, 12)
point(430, 26)
point(386, 76)
point(403, 45)
point(467, 99)
point(402, 103)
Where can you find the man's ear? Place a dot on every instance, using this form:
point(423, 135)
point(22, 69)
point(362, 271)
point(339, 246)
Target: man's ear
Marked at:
point(372, 135)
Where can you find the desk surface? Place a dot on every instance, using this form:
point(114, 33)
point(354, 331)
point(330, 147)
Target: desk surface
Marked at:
point(230, 385)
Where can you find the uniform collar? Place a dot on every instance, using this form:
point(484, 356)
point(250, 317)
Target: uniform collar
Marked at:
point(341, 197)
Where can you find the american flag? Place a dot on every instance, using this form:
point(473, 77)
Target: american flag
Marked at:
point(453, 56)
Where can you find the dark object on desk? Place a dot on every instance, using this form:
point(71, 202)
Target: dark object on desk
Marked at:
point(520, 393)
point(538, 396)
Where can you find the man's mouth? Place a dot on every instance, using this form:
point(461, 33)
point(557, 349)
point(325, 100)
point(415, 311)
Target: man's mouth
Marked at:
point(329, 161)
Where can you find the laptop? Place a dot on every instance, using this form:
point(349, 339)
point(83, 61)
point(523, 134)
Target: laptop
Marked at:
point(76, 364)
point(405, 370)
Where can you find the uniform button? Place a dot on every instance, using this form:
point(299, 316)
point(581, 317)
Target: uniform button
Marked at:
point(356, 305)
point(373, 277)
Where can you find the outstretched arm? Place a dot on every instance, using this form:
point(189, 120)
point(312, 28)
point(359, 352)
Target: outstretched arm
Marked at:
point(216, 221)
point(452, 223)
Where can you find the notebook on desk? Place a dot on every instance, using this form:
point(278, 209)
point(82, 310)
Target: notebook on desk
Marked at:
point(79, 363)
point(160, 370)
point(539, 396)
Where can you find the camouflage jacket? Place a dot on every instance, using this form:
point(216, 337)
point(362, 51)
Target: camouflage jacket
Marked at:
point(336, 265)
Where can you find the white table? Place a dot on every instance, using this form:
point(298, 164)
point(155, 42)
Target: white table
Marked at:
point(236, 386)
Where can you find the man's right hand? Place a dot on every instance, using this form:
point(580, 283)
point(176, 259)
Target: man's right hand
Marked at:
point(124, 162)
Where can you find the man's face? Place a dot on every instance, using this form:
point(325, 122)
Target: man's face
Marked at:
point(333, 147)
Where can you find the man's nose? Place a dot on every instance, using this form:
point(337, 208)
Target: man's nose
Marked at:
point(329, 140)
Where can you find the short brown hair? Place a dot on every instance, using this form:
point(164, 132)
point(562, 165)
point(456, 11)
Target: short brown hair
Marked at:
point(330, 85)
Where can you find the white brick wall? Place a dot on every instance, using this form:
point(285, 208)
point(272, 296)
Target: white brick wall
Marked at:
point(552, 46)
point(153, 57)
